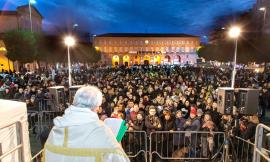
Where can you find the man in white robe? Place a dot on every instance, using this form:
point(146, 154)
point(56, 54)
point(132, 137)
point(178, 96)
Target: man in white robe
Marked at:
point(79, 135)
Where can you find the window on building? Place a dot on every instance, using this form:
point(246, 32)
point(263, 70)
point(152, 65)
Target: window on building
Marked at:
point(183, 49)
point(187, 49)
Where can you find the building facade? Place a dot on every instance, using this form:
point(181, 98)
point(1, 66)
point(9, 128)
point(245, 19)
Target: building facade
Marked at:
point(18, 19)
point(137, 48)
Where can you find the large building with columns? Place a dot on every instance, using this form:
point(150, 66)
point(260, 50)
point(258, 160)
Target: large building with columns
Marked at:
point(137, 48)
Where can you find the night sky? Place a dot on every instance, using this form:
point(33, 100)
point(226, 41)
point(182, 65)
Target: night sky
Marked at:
point(148, 16)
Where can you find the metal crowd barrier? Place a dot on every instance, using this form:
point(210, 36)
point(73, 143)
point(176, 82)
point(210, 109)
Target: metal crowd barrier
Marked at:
point(37, 157)
point(47, 105)
point(134, 144)
point(262, 144)
point(185, 145)
point(32, 117)
point(45, 120)
point(17, 152)
point(244, 149)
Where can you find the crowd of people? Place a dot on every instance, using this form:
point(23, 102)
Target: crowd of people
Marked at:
point(150, 98)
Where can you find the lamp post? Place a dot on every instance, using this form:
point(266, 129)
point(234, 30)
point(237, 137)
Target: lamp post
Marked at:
point(69, 41)
point(30, 13)
point(234, 33)
point(263, 9)
point(146, 43)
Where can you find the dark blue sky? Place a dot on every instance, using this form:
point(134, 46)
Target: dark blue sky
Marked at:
point(160, 16)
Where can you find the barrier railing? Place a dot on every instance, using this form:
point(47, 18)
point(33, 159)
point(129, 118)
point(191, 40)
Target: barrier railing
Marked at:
point(182, 145)
point(47, 105)
point(134, 144)
point(45, 119)
point(17, 152)
point(244, 149)
point(185, 145)
point(37, 157)
point(262, 144)
point(32, 117)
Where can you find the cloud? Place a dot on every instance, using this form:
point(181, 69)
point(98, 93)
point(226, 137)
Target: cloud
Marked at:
point(101, 16)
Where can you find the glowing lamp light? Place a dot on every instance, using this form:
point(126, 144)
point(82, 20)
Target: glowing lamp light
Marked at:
point(234, 32)
point(69, 41)
point(97, 48)
point(3, 49)
point(262, 9)
point(32, 1)
point(146, 41)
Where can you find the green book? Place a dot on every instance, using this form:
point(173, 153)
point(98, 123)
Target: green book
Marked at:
point(118, 127)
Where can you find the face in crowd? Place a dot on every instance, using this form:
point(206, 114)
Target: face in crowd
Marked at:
point(152, 112)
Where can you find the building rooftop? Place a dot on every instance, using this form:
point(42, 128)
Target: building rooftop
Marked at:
point(145, 35)
point(27, 6)
point(8, 13)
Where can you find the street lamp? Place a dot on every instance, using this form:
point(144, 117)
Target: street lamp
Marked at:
point(263, 9)
point(30, 13)
point(234, 33)
point(69, 41)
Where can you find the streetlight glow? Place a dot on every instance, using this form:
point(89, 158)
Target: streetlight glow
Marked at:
point(262, 9)
point(146, 41)
point(32, 1)
point(69, 41)
point(234, 32)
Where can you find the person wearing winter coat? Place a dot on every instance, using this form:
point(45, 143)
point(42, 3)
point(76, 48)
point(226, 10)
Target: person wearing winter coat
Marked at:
point(152, 122)
point(207, 139)
point(167, 139)
point(192, 124)
point(138, 124)
point(179, 126)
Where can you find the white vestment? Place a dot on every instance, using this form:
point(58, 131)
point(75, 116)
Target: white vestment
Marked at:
point(79, 136)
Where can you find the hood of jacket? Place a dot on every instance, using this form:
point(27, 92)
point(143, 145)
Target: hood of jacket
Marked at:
point(75, 116)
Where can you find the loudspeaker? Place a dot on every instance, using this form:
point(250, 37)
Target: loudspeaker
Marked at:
point(72, 91)
point(58, 96)
point(248, 101)
point(225, 100)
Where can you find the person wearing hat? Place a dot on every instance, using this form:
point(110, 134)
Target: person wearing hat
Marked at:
point(193, 123)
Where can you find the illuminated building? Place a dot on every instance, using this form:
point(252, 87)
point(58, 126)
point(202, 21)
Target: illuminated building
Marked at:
point(18, 19)
point(138, 48)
